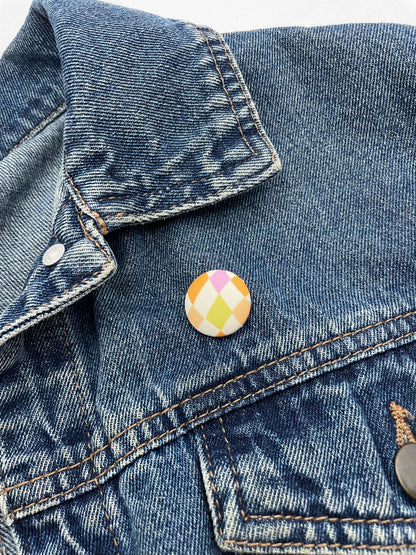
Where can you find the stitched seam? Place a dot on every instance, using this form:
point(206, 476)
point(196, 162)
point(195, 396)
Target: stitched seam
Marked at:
point(72, 286)
point(244, 92)
point(247, 516)
point(81, 401)
point(211, 479)
point(237, 481)
point(102, 223)
point(44, 123)
point(3, 481)
point(169, 208)
point(68, 198)
point(198, 417)
point(402, 427)
point(228, 167)
point(281, 544)
point(96, 243)
point(219, 386)
point(226, 91)
point(3, 478)
point(163, 189)
point(325, 544)
point(60, 294)
point(120, 214)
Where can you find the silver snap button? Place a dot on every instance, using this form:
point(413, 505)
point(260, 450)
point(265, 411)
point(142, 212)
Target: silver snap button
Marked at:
point(53, 254)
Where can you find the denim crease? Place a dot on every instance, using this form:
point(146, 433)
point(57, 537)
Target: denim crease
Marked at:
point(155, 150)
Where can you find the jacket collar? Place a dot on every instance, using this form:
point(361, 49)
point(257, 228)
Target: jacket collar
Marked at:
point(157, 121)
point(158, 117)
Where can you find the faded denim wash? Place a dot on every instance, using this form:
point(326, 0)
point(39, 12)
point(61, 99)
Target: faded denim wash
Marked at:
point(156, 150)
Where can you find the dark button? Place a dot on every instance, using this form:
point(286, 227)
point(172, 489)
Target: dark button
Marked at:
point(405, 465)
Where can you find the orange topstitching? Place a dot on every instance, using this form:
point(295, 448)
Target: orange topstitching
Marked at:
point(292, 543)
point(402, 427)
point(226, 92)
point(246, 516)
point(198, 417)
point(102, 223)
point(84, 413)
point(210, 390)
point(119, 214)
point(244, 92)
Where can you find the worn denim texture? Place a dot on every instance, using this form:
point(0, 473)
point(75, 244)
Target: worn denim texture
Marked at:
point(156, 150)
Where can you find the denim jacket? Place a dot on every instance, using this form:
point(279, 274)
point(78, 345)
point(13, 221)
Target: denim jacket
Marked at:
point(153, 150)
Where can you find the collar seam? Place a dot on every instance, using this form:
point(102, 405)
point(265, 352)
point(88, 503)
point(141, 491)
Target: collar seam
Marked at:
point(233, 65)
point(94, 213)
point(54, 115)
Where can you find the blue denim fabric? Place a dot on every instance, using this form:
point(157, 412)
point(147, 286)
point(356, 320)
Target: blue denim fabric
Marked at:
point(156, 150)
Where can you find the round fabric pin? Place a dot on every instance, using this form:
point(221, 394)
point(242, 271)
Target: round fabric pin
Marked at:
point(217, 303)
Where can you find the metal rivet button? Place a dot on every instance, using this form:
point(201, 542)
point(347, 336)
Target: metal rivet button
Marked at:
point(217, 303)
point(53, 254)
point(405, 466)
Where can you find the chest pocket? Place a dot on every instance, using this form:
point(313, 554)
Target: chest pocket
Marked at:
point(311, 469)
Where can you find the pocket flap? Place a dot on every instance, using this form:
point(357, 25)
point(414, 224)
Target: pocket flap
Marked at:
point(311, 469)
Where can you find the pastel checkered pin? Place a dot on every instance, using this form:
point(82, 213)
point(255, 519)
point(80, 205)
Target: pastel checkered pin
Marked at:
point(217, 303)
